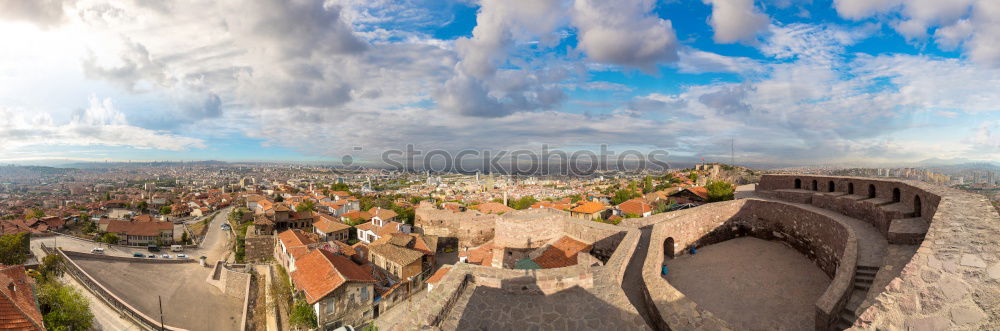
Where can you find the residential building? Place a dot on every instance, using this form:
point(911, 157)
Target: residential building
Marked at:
point(635, 207)
point(18, 305)
point(340, 291)
point(378, 228)
point(135, 233)
point(695, 195)
point(329, 228)
point(590, 210)
point(292, 245)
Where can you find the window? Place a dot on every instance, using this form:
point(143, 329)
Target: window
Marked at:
point(364, 294)
point(330, 306)
point(798, 183)
point(850, 188)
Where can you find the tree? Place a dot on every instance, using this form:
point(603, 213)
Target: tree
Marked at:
point(184, 238)
point(142, 206)
point(34, 213)
point(524, 202)
point(14, 248)
point(302, 315)
point(647, 184)
point(575, 197)
point(693, 176)
point(109, 238)
point(52, 268)
point(63, 308)
point(306, 205)
point(107, 196)
point(623, 195)
point(165, 210)
point(719, 191)
point(279, 198)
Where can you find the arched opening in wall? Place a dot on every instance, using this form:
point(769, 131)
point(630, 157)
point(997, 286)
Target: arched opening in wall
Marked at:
point(895, 195)
point(850, 188)
point(668, 248)
point(815, 186)
point(916, 206)
point(871, 191)
point(831, 187)
point(798, 183)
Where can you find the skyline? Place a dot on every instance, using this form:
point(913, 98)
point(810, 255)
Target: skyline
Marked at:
point(791, 82)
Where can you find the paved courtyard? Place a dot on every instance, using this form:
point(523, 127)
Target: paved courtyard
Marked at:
point(752, 284)
point(188, 300)
point(494, 309)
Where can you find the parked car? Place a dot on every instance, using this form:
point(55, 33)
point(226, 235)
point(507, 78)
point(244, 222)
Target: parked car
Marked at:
point(165, 256)
point(182, 256)
point(138, 255)
point(97, 250)
point(176, 248)
point(153, 248)
point(151, 256)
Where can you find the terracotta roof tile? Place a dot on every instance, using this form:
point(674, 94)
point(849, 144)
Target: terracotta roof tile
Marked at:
point(321, 272)
point(562, 253)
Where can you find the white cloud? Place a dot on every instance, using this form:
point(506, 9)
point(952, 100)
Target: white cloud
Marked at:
point(624, 32)
point(98, 124)
point(736, 20)
point(696, 61)
point(973, 24)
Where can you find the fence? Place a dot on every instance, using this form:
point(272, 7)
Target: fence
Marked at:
point(111, 299)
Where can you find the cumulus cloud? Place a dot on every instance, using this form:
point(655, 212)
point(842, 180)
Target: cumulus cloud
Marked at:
point(45, 13)
point(736, 20)
point(99, 124)
point(624, 33)
point(972, 24)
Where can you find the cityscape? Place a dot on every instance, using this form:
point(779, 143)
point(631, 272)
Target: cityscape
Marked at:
point(499, 165)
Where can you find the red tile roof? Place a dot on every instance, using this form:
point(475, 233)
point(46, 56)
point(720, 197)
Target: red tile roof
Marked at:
point(562, 253)
point(589, 207)
point(17, 301)
point(635, 206)
point(492, 208)
point(438, 275)
point(384, 214)
point(150, 229)
point(321, 272)
point(327, 224)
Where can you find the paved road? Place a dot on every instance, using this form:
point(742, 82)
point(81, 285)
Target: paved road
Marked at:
point(105, 317)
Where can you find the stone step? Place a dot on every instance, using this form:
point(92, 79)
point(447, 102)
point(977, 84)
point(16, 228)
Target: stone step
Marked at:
point(864, 267)
point(864, 276)
point(862, 286)
point(858, 280)
point(843, 325)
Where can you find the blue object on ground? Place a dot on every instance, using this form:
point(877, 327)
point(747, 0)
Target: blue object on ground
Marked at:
point(692, 250)
point(664, 270)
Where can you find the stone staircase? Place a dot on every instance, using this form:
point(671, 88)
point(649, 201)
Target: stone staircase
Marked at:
point(864, 276)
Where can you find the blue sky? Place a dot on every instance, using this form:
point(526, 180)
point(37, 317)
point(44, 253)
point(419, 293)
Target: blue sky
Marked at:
point(846, 82)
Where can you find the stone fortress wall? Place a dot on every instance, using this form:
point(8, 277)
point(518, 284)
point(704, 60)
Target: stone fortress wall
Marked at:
point(947, 276)
point(469, 228)
point(951, 282)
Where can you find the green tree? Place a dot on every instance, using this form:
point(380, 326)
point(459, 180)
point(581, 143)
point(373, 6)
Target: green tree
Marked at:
point(575, 197)
point(142, 206)
point(306, 205)
point(185, 239)
point(107, 196)
point(63, 308)
point(14, 248)
point(647, 184)
point(51, 268)
point(720, 191)
point(109, 238)
point(623, 195)
point(693, 176)
point(34, 213)
point(523, 203)
point(165, 210)
point(302, 315)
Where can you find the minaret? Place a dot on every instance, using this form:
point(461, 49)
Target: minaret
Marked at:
point(504, 198)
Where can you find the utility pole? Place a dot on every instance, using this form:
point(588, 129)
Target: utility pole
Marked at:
point(160, 300)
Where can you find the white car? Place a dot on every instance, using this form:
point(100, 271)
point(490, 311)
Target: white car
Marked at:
point(182, 256)
point(97, 250)
point(165, 256)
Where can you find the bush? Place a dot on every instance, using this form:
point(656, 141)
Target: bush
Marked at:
point(720, 191)
point(302, 315)
point(63, 308)
point(14, 248)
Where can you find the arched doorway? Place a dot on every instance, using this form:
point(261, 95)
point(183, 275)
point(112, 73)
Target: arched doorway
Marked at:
point(798, 183)
point(895, 195)
point(871, 191)
point(916, 206)
point(668, 249)
point(815, 187)
point(831, 187)
point(850, 188)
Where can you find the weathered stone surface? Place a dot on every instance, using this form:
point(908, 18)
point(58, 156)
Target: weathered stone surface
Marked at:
point(967, 314)
point(971, 260)
point(994, 271)
point(953, 289)
point(934, 323)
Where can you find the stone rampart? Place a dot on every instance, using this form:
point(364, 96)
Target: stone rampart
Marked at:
point(470, 228)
